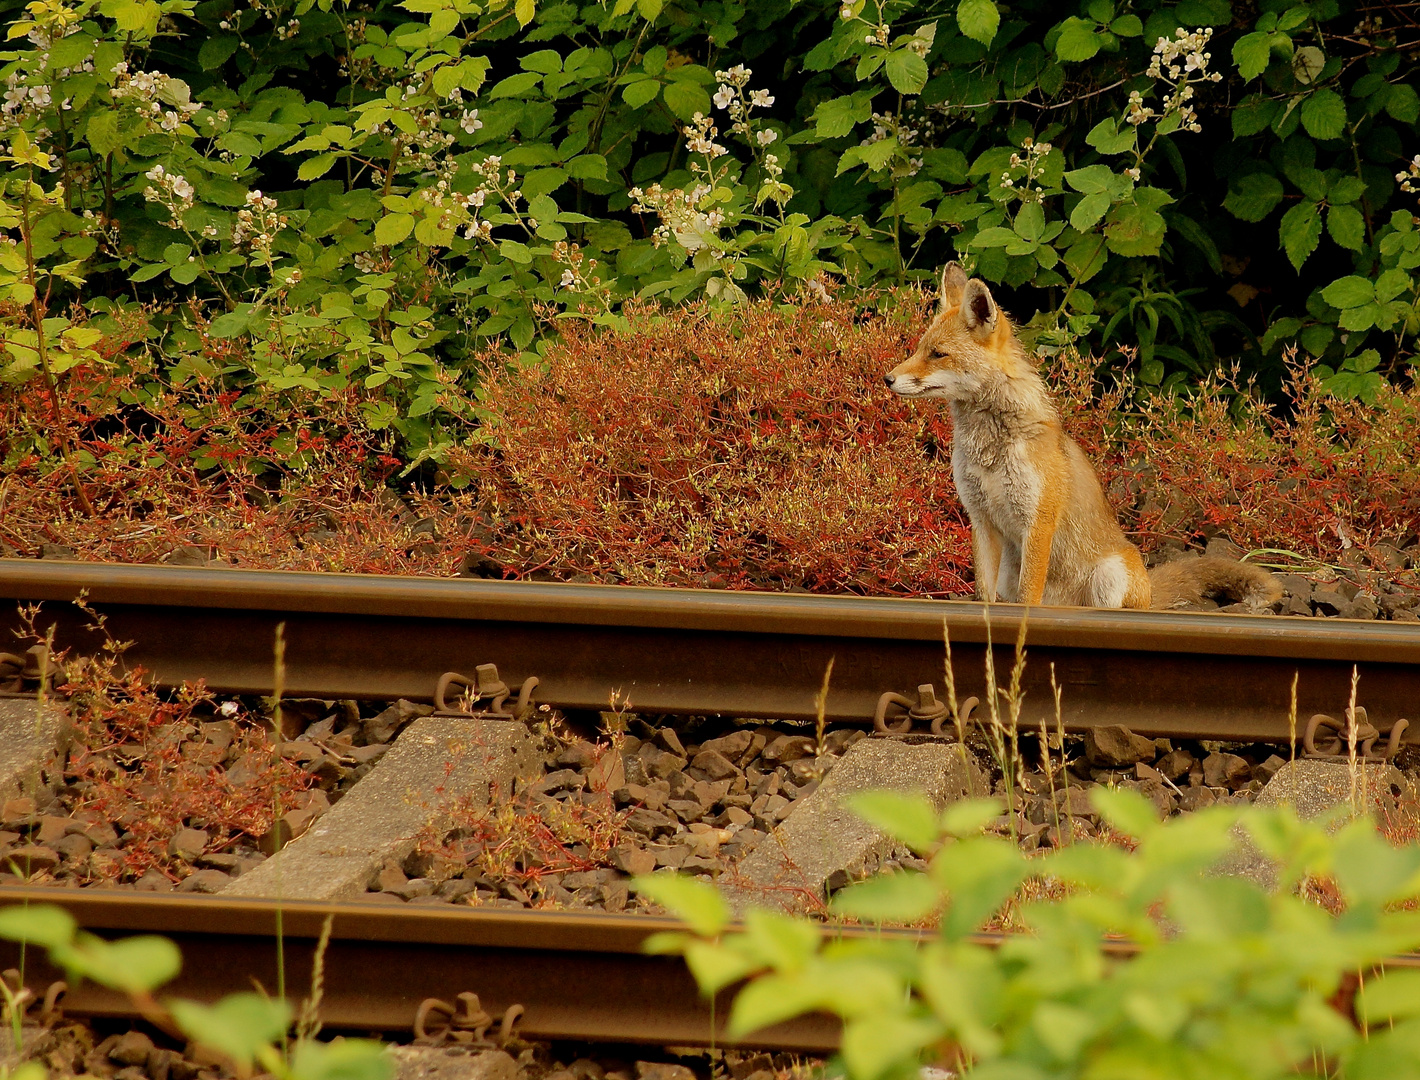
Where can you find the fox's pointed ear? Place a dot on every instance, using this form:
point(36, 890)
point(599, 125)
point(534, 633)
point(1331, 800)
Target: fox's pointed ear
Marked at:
point(978, 308)
point(953, 281)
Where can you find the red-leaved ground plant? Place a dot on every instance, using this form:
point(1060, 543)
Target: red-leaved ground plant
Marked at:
point(749, 448)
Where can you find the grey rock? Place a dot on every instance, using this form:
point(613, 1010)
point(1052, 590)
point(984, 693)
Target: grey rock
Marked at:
point(1112, 745)
point(30, 738)
point(1313, 787)
point(378, 819)
point(822, 835)
point(452, 1063)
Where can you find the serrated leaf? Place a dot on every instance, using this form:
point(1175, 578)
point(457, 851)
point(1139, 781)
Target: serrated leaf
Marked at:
point(1300, 231)
point(902, 897)
point(392, 228)
point(1347, 227)
point(315, 167)
point(908, 818)
point(642, 92)
point(238, 1026)
point(1254, 196)
point(1252, 53)
point(1107, 138)
point(979, 20)
point(685, 98)
point(1077, 41)
point(512, 249)
point(524, 10)
point(906, 71)
point(698, 904)
point(1089, 210)
point(1348, 292)
point(1324, 115)
point(103, 132)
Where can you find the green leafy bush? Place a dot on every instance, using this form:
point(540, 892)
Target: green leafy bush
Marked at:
point(321, 195)
point(246, 1030)
point(1224, 979)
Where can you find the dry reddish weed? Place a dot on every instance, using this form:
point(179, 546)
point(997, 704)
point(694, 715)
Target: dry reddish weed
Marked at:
point(749, 449)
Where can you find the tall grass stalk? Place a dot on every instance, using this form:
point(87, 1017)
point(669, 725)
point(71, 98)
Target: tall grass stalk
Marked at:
point(953, 707)
point(278, 689)
point(821, 711)
point(1055, 690)
point(1353, 765)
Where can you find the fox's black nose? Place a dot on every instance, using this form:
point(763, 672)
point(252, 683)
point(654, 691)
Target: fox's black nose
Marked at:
point(887, 379)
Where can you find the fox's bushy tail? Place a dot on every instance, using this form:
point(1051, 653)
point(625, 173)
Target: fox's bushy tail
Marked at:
point(1187, 581)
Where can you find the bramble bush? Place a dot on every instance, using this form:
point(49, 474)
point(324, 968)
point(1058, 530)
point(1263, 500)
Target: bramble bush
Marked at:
point(1225, 979)
point(745, 449)
point(327, 196)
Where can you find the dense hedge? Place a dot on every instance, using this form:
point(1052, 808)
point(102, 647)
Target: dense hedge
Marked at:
point(322, 194)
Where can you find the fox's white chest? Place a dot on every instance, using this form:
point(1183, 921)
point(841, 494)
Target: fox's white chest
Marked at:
point(996, 481)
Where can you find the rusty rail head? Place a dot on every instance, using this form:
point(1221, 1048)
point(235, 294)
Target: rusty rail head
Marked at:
point(713, 652)
point(706, 609)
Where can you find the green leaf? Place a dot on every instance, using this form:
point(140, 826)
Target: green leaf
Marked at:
point(641, 92)
point(216, 51)
point(587, 167)
point(524, 10)
point(341, 1059)
point(967, 817)
point(904, 817)
point(1394, 995)
point(1030, 222)
point(1254, 196)
point(716, 967)
point(1127, 26)
point(1403, 103)
point(1300, 231)
point(889, 898)
point(836, 117)
point(1252, 53)
point(1347, 227)
point(1089, 210)
point(232, 324)
point(316, 167)
point(906, 71)
point(44, 925)
point(392, 228)
point(1391, 284)
point(186, 273)
point(874, 1046)
point(239, 1026)
point(685, 98)
point(135, 965)
point(1126, 811)
point(979, 19)
point(103, 131)
point(518, 253)
point(1077, 41)
point(543, 61)
point(1324, 115)
point(696, 903)
point(1107, 138)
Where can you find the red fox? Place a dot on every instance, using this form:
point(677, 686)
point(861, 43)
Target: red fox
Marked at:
point(1041, 530)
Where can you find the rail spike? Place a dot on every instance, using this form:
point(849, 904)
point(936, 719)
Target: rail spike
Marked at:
point(925, 709)
point(486, 683)
point(437, 1022)
point(1335, 745)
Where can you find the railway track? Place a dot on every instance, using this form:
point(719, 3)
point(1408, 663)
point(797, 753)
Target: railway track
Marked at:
point(683, 651)
point(582, 975)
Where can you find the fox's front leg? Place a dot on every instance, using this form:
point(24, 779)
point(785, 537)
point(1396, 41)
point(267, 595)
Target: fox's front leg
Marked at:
point(1035, 550)
point(986, 556)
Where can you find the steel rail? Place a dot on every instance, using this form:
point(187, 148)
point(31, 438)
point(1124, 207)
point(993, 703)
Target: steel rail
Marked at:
point(580, 976)
point(576, 975)
point(713, 652)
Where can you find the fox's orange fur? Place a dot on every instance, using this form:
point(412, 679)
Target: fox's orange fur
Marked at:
point(1042, 531)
